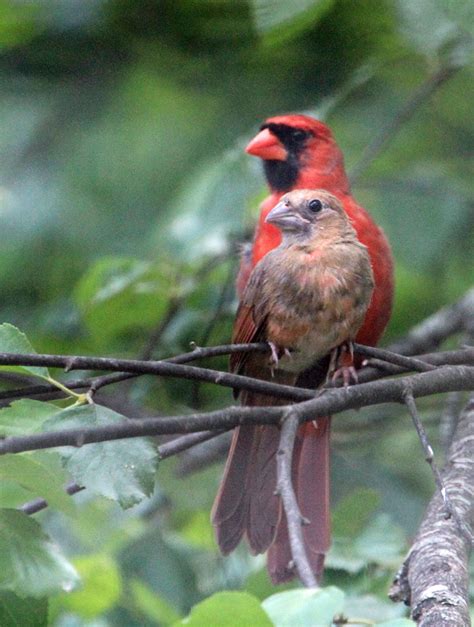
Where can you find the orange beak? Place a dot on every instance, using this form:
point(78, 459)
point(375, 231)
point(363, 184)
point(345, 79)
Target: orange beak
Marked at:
point(267, 146)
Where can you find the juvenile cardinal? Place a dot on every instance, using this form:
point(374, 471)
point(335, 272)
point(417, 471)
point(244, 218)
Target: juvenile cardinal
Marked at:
point(306, 298)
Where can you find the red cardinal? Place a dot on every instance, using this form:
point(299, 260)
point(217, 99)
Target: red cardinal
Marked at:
point(308, 296)
point(299, 152)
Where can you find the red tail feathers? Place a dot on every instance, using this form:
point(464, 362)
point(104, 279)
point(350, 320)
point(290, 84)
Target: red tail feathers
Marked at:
point(246, 503)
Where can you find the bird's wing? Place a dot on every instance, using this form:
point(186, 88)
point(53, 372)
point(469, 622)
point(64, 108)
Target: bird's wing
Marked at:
point(250, 321)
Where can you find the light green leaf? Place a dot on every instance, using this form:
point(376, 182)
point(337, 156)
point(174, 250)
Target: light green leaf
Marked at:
point(121, 470)
point(16, 611)
point(304, 606)
point(25, 416)
point(287, 18)
point(397, 622)
point(40, 473)
point(12, 340)
point(101, 586)
point(152, 605)
point(122, 293)
point(228, 609)
point(30, 564)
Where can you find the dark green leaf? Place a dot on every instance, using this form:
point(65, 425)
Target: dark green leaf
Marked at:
point(16, 611)
point(152, 605)
point(30, 564)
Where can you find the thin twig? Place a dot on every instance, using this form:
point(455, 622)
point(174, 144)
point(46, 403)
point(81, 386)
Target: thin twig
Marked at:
point(294, 518)
point(408, 363)
point(429, 457)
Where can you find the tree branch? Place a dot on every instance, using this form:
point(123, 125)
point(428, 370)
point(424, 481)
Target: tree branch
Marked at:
point(443, 379)
point(294, 518)
point(434, 578)
point(429, 334)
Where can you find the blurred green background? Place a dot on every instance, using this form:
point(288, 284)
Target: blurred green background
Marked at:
point(124, 191)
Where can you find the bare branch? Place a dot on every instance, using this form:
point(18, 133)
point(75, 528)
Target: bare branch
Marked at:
point(429, 334)
point(294, 518)
point(434, 578)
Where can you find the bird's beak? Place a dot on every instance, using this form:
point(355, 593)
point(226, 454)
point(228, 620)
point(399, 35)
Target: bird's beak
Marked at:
point(285, 218)
point(267, 146)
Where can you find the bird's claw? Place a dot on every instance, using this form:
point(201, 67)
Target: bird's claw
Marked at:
point(348, 375)
point(344, 356)
point(275, 355)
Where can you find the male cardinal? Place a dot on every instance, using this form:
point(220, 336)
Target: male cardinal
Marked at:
point(299, 152)
point(306, 298)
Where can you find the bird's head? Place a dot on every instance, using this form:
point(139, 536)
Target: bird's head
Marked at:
point(288, 144)
point(306, 211)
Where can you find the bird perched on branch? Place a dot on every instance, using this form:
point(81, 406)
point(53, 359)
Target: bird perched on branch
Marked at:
point(306, 298)
point(300, 152)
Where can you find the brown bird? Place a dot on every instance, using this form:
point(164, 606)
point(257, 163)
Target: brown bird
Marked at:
point(306, 298)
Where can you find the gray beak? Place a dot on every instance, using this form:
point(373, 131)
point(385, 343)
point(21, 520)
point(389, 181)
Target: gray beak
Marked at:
point(286, 218)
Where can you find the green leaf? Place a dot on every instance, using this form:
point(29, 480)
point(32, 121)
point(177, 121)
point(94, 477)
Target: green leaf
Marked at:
point(152, 605)
point(286, 20)
point(228, 609)
point(40, 473)
point(30, 564)
point(121, 470)
point(304, 606)
point(25, 416)
point(12, 340)
point(397, 622)
point(16, 611)
point(101, 587)
point(122, 293)
point(353, 512)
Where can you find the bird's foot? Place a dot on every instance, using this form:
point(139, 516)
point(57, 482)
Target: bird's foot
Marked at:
point(341, 365)
point(348, 374)
point(276, 353)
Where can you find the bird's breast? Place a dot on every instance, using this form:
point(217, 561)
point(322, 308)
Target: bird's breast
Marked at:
point(314, 313)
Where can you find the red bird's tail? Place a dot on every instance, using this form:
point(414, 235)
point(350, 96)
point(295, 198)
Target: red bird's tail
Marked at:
point(247, 504)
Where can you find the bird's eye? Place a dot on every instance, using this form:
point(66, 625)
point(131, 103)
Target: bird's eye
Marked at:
point(298, 135)
point(315, 205)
